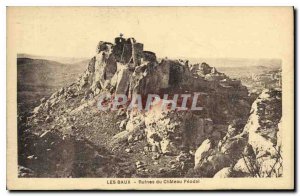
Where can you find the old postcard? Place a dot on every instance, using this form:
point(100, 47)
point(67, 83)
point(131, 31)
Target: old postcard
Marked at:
point(150, 98)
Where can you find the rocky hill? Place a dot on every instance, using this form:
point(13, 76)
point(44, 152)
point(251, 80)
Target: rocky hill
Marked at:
point(38, 78)
point(68, 136)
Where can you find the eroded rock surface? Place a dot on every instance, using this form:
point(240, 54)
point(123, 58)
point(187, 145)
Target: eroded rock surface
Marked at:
point(211, 142)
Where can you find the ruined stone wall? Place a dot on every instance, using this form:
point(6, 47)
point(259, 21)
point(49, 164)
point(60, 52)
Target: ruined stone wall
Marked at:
point(137, 53)
point(104, 46)
point(149, 56)
point(118, 48)
point(128, 51)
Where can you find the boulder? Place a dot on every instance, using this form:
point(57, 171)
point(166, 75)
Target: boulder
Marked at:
point(139, 164)
point(42, 100)
point(123, 124)
point(244, 165)
point(224, 173)
point(130, 139)
point(37, 109)
point(48, 119)
point(212, 164)
point(235, 140)
point(202, 151)
point(132, 128)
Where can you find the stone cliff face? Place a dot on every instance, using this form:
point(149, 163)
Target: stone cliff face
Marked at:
point(214, 136)
point(253, 150)
point(265, 132)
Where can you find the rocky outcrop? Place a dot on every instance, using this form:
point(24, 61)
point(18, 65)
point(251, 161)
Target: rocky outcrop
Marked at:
point(172, 131)
point(213, 155)
point(251, 150)
point(211, 142)
point(263, 122)
point(101, 68)
point(263, 128)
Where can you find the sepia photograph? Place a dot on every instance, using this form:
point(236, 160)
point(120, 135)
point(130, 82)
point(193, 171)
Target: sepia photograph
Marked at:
point(150, 98)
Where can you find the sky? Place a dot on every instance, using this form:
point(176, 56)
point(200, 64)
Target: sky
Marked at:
point(168, 31)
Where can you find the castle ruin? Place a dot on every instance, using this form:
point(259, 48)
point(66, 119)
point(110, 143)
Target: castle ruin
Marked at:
point(129, 51)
